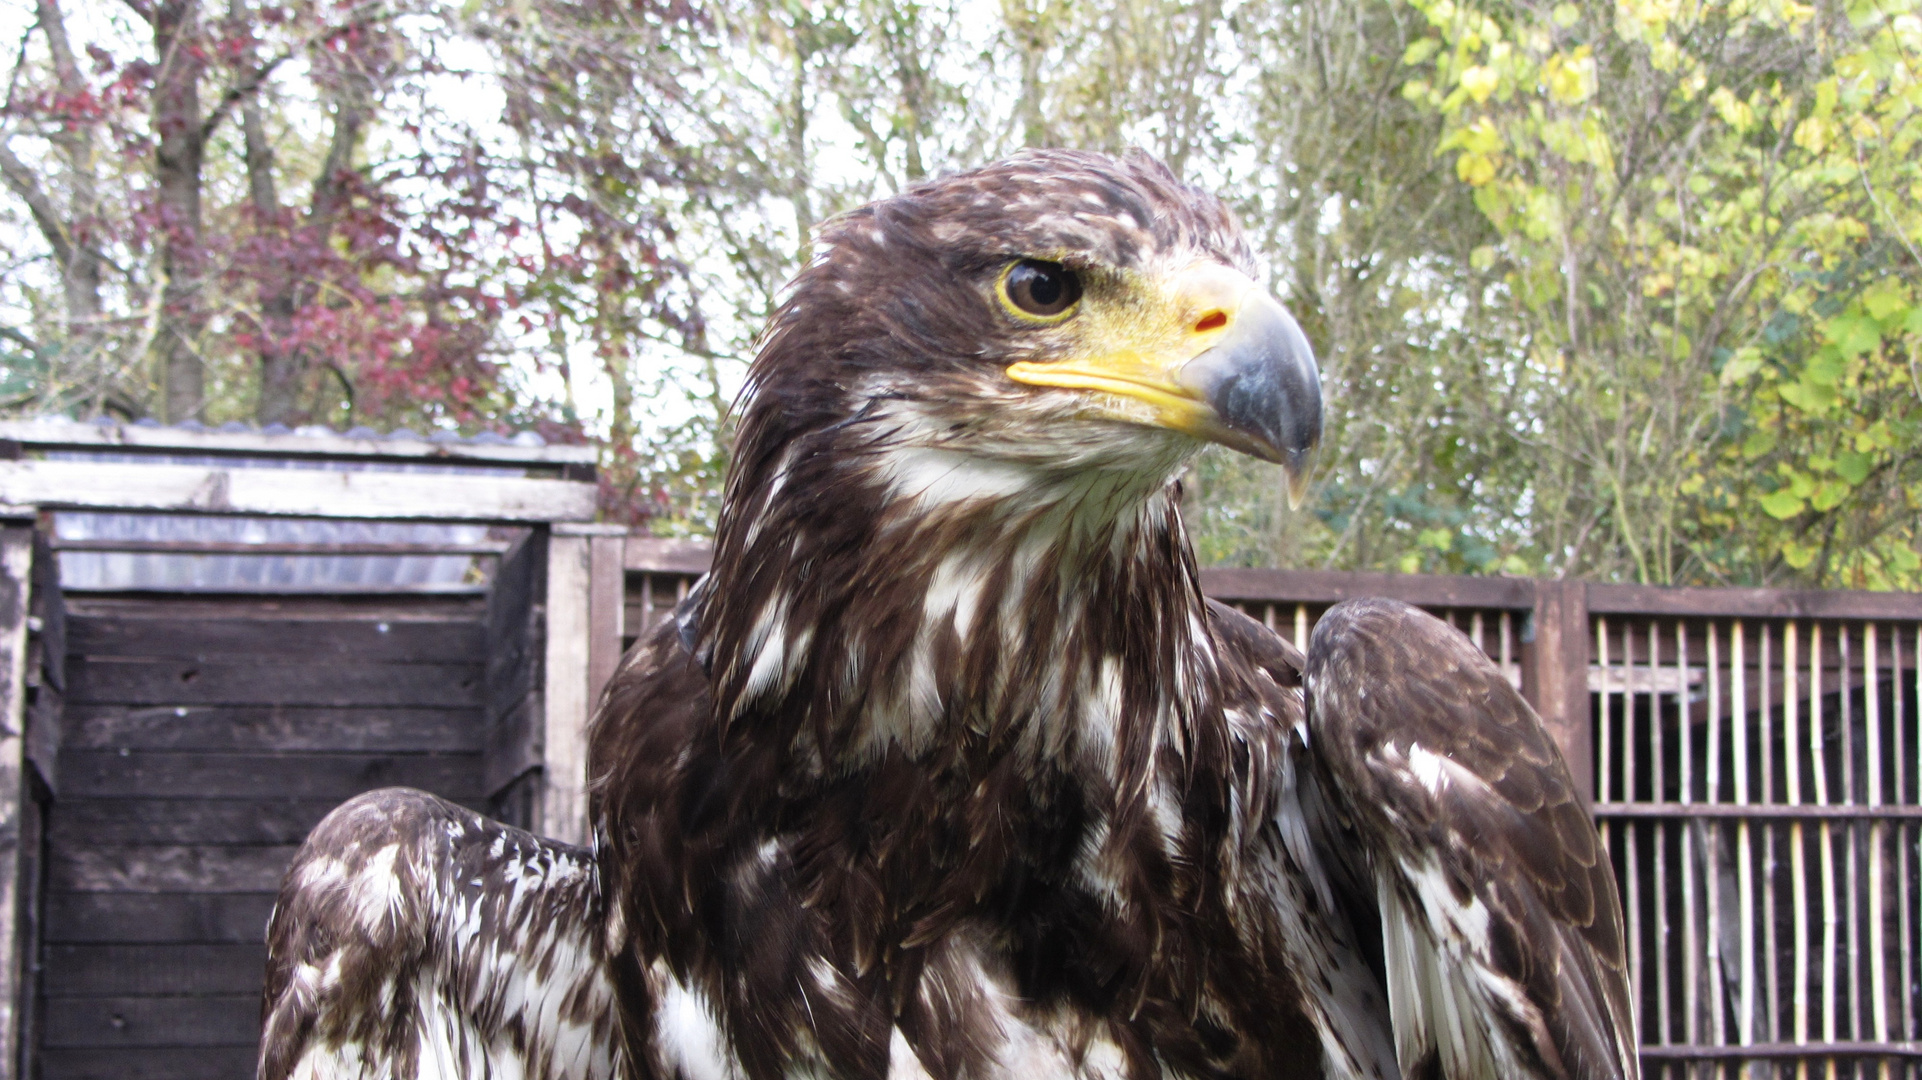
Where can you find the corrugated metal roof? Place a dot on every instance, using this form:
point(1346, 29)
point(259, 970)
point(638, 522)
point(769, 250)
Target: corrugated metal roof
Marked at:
point(240, 444)
point(118, 552)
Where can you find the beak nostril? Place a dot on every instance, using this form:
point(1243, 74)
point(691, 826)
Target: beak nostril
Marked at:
point(1214, 320)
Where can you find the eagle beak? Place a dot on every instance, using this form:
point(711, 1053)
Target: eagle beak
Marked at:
point(1238, 371)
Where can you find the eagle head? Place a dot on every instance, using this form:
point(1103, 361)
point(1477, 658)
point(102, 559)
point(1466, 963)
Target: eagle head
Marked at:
point(1057, 315)
point(977, 397)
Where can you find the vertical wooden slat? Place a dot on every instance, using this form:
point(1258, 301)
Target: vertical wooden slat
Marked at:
point(1770, 946)
point(564, 765)
point(1658, 792)
point(1872, 727)
point(1744, 853)
point(647, 603)
point(1507, 630)
point(1798, 852)
point(1475, 631)
point(16, 570)
point(1631, 847)
point(1851, 906)
point(606, 608)
point(1605, 778)
point(1301, 627)
point(1691, 940)
point(1555, 675)
point(1716, 999)
point(1903, 794)
point(1831, 925)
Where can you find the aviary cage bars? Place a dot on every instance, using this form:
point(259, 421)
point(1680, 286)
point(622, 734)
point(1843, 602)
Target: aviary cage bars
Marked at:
point(1754, 758)
point(1758, 792)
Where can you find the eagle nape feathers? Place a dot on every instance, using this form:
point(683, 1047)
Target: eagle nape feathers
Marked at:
point(948, 770)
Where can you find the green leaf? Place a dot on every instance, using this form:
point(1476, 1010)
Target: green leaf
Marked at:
point(1825, 368)
point(1852, 467)
point(1828, 495)
point(1808, 397)
point(1420, 50)
point(1884, 298)
point(1781, 505)
point(1759, 442)
point(1798, 555)
point(1746, 361)
point(1852, 334)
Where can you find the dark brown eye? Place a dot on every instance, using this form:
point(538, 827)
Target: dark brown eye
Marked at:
point(1040, 290)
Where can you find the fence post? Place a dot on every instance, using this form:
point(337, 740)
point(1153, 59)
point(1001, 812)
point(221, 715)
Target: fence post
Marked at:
point(607, 603)
point(1555, 674)
point(16, 575)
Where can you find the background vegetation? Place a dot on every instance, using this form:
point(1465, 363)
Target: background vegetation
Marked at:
point(1618, 290)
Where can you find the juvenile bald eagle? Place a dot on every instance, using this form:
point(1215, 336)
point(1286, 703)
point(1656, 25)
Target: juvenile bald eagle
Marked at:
point(949, 770)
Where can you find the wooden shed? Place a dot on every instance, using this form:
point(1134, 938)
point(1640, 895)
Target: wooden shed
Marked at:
point(210, 639)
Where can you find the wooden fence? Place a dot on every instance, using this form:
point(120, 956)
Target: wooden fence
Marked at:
point(1755, 764)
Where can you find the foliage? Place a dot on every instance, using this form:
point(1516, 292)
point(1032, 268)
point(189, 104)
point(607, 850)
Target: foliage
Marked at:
point(153, 159)
point(1616, 289)
point(1707, 220)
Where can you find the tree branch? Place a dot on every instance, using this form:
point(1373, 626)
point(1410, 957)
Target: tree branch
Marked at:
point(20, 178)
point(363, 15)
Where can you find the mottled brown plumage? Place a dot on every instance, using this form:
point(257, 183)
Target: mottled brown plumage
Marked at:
point(1456, 797)
point(415, 938)
point(948, 770)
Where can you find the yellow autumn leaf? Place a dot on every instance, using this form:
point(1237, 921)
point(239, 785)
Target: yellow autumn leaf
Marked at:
point(1475, 169)
point(1570, 79)
point(1812, 134)
point(1480, 81)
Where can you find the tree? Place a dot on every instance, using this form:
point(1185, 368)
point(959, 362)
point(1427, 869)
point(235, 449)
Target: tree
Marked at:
point(191, 290)
point(1706, 220)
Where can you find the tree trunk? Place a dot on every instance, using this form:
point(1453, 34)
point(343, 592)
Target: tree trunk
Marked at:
point(177, 163)
point(284, 361)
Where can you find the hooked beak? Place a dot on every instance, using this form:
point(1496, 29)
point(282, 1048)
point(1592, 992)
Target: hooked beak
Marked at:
point(1238, 372)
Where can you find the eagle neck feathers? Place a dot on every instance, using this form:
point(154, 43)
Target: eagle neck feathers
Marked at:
point(879, 595)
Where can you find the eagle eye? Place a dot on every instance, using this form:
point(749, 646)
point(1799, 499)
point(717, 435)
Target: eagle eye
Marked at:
point(1036, 289)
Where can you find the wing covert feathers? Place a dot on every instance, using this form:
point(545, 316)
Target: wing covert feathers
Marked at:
point(415, 938)
point(1502, 930)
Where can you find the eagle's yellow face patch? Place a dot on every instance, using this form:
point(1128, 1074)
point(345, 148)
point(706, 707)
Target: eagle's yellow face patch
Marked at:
point(1132, 334)
point(1202, 350)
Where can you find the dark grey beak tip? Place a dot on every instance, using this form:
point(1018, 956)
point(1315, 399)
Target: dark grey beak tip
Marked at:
point(1262, 382)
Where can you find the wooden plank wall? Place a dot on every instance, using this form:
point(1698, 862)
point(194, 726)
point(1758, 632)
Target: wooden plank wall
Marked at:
point(513, 687)
point(203, 738)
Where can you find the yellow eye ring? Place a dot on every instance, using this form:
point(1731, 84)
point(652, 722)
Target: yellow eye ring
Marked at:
point(1038, 291)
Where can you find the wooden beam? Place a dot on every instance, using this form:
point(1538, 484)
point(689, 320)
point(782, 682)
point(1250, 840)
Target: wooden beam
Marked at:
point(607, 603)
point(563, 803)
point(1555, 674)
point(295, 492)
point(122, 437)
point(1334, 586)
point(1752, 603)
point(654, 555)
point(242, 547)
point(16, 570)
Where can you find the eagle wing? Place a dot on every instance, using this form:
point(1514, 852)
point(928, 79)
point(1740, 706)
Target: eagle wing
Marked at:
point(1309, 914)
point(413, 937)
point(1501, 929)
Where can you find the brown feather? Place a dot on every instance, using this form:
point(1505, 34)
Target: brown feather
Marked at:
point(1497, 810)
